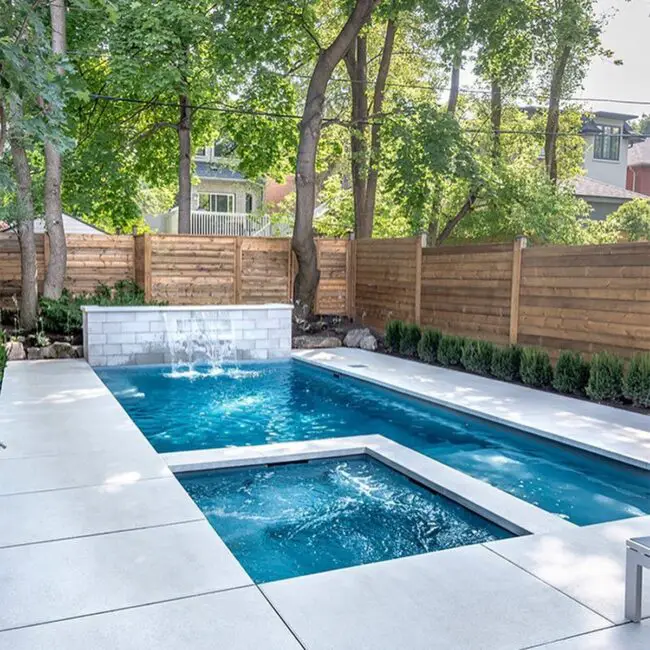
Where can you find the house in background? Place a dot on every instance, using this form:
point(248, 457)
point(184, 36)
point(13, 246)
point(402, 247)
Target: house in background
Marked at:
point(608, 138)
point(224, 201)
point(638, 168)
point(71, 225)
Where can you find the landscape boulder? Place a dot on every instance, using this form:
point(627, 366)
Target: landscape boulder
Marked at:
point(15, 351)
point(309, 341)
point(59, 350)
point(360, 338)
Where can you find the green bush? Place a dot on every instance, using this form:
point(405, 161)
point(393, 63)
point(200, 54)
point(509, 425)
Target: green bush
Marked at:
point(477, 356)
point(410, 339)
point(506, 362)
point(428, 345)
point(636, 385)
point(605, 377)
point(535, 368)
point(63, 316)
point(450, 350)
point(393, 337)
point(571, 373)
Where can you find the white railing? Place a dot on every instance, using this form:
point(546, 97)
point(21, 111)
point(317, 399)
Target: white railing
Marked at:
point(236, 224)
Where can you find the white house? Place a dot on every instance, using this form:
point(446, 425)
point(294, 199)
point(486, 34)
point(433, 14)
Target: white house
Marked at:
point(608, 138)
point(224, 201)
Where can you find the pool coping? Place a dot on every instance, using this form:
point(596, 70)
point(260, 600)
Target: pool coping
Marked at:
point(593, 427)
point(507, 511)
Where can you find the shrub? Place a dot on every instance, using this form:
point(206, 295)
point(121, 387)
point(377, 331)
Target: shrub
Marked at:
point(428, 345)
point(450, 350)
point(410, 338)
point(394, 332)
point(63, 316)
point(605, 377)
point(636, 386)
point(477, 356)
point(535, 368)
point(505, 362)
point(571, 373)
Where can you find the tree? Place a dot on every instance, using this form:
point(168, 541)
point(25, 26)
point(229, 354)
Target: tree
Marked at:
point(57, 261)
point(303, 242)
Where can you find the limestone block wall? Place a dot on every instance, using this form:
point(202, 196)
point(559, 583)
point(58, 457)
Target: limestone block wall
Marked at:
point(115, 336)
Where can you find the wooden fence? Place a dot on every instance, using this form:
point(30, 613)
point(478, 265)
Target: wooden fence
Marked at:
point(585, 298)
point(188, 269)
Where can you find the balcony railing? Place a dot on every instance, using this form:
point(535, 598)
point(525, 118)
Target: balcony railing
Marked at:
point(234, 224)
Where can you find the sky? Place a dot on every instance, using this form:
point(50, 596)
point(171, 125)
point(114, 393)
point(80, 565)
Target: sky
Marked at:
point(627, 34)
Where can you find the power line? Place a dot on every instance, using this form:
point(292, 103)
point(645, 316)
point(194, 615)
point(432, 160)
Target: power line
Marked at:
point(270, 114)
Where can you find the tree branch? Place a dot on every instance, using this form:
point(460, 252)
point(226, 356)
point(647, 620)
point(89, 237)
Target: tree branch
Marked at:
point(154, 128)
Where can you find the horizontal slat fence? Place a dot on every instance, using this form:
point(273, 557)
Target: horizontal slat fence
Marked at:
point(466, 290)
point(386, 278)
point(188, 269)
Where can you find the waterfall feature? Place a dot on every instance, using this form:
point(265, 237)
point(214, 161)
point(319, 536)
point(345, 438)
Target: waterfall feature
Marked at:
point(198, 346)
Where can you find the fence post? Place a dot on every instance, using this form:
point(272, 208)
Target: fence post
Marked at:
point(351, 276)
point(317, 296)
point(146, 264)
point(518, 247)
point(237, 279)
point(290, 272)
point(418, 277)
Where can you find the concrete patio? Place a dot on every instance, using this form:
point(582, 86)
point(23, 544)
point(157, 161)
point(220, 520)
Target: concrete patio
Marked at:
point(100, 547)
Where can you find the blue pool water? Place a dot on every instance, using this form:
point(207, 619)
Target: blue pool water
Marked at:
point(285, 401)
point(284, 521)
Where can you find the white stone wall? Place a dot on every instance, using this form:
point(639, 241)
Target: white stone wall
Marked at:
point(115, 336)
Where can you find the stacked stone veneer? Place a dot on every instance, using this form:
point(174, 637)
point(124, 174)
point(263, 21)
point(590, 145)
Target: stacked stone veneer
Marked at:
point(115, 336)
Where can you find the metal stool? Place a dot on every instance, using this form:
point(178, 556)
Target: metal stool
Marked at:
point(637, 558)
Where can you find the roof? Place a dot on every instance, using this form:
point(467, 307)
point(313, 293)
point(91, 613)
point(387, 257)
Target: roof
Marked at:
point(71, 225)
point(590, 187)
point(214, 170)
point(639, 154)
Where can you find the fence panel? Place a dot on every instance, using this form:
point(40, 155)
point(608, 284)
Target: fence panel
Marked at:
point(264, 270)
point(586, 298)
point(386, 271)
point(466, 290)
point(333, 263)
point(10, 268)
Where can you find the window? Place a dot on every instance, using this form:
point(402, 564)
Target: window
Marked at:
point(217, 202)
point(200, 151)
point(249, 203)
point(607, 144)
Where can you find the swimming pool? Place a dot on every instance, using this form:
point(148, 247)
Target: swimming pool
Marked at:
point(284, 521)
point(286, 401)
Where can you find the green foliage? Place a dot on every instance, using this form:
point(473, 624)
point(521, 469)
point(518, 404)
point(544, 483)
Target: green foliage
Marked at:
point(64, 316)
point(535, 368)
point(605, 377)
point(428, 345)
point(636, 385)
point(505, 362)
point(450, 350)
point(393, 336)
point(410, 339)
point(632, 220)
point(477, 356)
point(571, 373)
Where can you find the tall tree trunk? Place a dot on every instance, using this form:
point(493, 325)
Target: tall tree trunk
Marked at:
point(375, 131)
point(496, 112)
point(303, 242)
point(553, 117)
point(454, 85)
point(25, 227)
point(184, 166)
point(56, 266)
point(356, 62)
point(465, 209)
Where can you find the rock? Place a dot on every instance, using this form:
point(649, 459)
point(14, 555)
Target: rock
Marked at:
point(79, 351)
point(59, 350)
point(316, 341)
point(34, 354)
point(15, 351)
point(368, 342)
point(360, 338)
